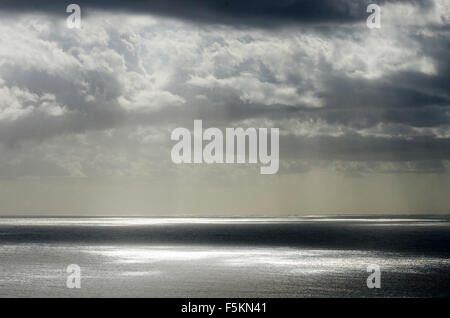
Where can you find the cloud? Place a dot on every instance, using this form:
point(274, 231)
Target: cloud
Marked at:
point(235, 12)
point(102, 100)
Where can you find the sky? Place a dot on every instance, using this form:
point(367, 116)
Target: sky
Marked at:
point(86, 114)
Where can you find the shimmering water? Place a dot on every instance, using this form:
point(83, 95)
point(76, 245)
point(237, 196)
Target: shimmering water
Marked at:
point(226, 257)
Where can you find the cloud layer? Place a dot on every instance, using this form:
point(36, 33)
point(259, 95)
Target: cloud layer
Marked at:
point(261, 13)
point(101, 101)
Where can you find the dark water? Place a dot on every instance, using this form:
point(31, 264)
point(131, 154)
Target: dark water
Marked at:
point(226, 257)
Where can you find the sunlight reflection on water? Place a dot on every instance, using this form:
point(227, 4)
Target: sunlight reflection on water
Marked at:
point(142, 221)
point(306, 261)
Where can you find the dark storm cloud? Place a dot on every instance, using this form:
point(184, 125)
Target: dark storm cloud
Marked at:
point(409, 98)
point(256, 12)
point(379, 93)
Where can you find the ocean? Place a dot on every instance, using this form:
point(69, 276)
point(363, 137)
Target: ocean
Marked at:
point(225, 257)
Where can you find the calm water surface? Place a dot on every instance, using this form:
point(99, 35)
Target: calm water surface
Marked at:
point(226, 257)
